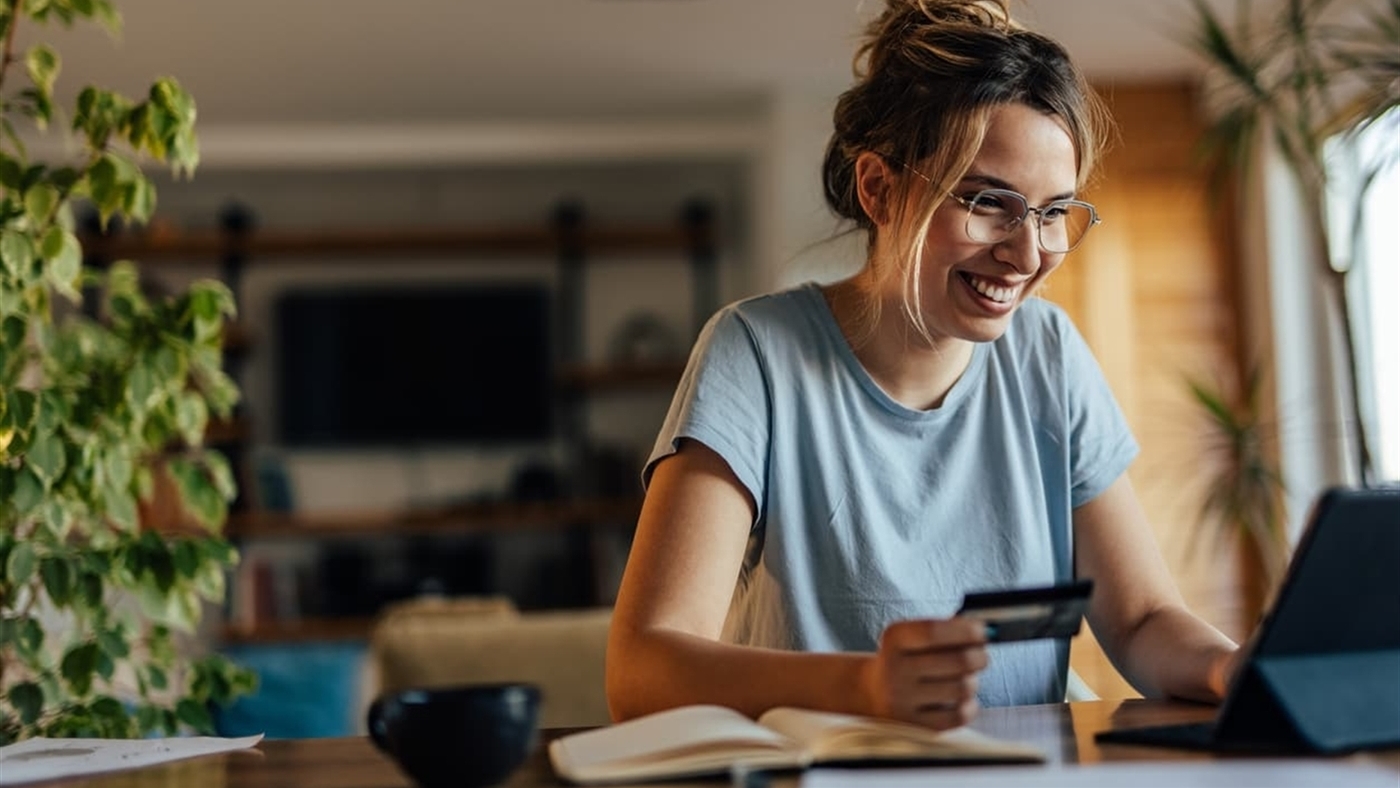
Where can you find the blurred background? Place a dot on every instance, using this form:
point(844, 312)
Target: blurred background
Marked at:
point(472, 242)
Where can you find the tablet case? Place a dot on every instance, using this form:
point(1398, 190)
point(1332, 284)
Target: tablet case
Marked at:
point(1324, 674)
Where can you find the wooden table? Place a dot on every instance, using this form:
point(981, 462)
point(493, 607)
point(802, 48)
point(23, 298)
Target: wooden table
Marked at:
point(1065, 730)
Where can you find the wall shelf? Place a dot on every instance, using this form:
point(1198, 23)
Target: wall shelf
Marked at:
point(299, 630)
point(341, 245)
point(600, 377)
point(467, 518)
point(566, 242)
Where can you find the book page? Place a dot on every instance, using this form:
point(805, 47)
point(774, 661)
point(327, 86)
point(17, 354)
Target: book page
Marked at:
point(686, 741)
point(828, 737)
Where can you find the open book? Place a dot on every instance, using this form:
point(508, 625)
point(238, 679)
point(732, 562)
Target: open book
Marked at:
point(702, 740)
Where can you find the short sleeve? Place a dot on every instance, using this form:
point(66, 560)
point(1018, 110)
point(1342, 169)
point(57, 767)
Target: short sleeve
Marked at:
point(1102, 445)
point(723, 402)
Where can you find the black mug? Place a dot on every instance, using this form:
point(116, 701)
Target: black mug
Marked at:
point(467, 736)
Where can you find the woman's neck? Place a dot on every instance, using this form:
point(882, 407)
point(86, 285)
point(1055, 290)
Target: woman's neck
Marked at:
point(912, 370)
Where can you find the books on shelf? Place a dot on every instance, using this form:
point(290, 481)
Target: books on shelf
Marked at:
point(705, 740)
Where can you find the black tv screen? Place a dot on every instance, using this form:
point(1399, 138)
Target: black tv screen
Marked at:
point(439, 364)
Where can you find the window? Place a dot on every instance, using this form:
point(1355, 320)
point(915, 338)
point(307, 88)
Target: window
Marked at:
point(1375, 279)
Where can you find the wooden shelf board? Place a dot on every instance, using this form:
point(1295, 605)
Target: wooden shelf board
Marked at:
point(617, 513)
point(340, 245)
point(594, 377)
point(298, 630)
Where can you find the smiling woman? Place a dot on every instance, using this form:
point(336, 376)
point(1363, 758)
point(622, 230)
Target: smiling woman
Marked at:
point(844, 463)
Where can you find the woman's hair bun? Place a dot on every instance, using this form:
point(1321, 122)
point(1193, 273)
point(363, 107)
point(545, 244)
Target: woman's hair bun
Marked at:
point(993, 14)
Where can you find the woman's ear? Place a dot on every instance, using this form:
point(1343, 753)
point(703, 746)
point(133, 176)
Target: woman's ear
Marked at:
point(875, 187)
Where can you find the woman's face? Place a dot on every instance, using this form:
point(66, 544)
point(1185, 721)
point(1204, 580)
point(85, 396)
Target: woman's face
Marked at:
point(971, 289)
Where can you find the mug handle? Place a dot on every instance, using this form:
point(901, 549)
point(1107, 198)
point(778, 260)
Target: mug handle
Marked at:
point(378, 729)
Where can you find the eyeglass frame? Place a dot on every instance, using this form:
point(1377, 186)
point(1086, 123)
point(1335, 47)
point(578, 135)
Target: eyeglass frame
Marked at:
point(970, 205)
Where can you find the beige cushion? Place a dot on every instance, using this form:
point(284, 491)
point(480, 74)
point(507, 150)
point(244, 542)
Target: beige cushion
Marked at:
point(561, 651)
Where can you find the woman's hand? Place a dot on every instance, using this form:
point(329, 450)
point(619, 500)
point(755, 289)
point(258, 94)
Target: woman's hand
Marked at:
point(1223, 669)
point(926, 672)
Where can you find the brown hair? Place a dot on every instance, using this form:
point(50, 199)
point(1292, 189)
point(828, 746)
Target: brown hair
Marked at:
point(928, 74)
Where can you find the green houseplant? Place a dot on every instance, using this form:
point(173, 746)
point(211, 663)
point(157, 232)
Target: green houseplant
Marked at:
point(101, 389)
point(1309, 72)
point(1313, 71)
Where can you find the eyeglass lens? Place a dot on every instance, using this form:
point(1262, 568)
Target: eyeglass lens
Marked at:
point(993, 215)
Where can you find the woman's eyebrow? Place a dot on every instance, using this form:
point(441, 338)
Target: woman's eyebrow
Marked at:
point(993, 182)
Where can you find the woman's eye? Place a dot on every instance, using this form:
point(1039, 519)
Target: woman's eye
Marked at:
point(985, 202)
point(1054, 213)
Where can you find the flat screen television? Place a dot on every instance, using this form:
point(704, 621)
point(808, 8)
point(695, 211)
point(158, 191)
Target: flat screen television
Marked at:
point(441, 364)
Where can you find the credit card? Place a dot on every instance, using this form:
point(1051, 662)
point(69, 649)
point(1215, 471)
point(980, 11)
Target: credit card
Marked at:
point(1029, 613)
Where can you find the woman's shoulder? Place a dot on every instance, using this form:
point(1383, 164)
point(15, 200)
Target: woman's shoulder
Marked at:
point(787, 312)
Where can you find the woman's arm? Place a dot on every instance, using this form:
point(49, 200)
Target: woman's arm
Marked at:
point(1136, 611)
point(664, 649)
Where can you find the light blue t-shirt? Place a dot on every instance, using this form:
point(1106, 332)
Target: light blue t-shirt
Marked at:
point(871, 512)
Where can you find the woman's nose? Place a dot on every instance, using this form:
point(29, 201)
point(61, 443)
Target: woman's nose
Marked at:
point(1021, 249)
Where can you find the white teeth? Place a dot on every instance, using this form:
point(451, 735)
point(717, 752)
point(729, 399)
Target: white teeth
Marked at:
point(996, 293)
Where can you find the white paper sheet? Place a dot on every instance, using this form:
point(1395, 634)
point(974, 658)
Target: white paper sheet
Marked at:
point(39, 758)
point(1275, 773)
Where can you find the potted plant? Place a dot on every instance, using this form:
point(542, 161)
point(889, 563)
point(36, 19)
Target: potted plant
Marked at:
point(102, 387)
point(1306, 75)
point(1297, 78)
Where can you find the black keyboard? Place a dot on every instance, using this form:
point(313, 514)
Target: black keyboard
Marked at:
point(1190, 735)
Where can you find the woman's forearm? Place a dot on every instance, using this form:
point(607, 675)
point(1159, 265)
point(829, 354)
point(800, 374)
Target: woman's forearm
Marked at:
point(660, 669)
point(1172, 653)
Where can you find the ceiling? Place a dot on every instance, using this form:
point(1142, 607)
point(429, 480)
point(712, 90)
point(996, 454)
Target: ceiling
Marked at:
point(431, 61)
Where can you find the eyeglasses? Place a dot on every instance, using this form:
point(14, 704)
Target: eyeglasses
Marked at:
point(994, 214)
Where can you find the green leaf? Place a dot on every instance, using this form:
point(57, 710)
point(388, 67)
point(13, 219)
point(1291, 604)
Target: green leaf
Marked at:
point(105, 666)
point(43, 64)
point(118, 467)
point(19, 568)
point(157, 677)
point(195, 715)
point(90, 590)
point(120, 505)
point(59, 516)
point(7, 129)
point(192, 417)
point(36, 104)
point(142, 201)
point(108, 708)
point(148, 719)
point(106, 187)
point(186, 556)
point(198, 492)
point(113, 642)
point(53, 411)
point(10, 173)
point(17, 251)
point(78, 666)
point(107, 16)
point(141, 385)
point(58, 579)
point(31, 637)
point(40, 203)
point(162, 568)
point(28, 700)
point(12, 331)
point(24, 408)
point(28, 494)
point(222, 473)
point(65, 255)
point(46, 458)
